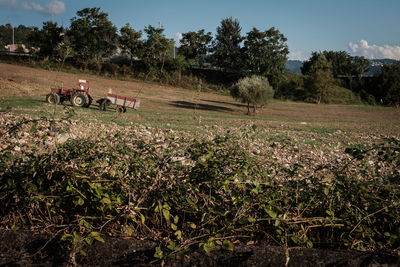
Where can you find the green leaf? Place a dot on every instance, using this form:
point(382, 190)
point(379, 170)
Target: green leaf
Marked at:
point(82, 252)
point(106, 200)
point(142, 218)
point(96, 236)
point(271, 213)
point(227, 245)
point(129, 231)
point(79, 201)
point(326, 191)
point(174, 227)
point(209, 246)
point(192, 225)
point(89, 240)
point(176, 219)
point(159, 253)
point(178, 234)
point(251, 219)
point(67, 237)
point(166, 214)
point(171, 245)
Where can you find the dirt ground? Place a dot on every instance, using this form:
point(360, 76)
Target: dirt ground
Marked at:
point(28, 249)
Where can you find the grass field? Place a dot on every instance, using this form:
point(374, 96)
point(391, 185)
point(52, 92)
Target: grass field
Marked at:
point(23, 90)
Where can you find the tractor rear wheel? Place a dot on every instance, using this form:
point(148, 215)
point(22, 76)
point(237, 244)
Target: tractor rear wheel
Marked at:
point(79, 99)
point(53, 98)
point(90, 100)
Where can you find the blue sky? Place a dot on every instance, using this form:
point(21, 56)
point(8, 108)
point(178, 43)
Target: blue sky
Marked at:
point(361, 27)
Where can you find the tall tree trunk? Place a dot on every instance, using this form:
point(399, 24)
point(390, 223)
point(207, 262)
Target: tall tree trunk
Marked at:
point(162, 65)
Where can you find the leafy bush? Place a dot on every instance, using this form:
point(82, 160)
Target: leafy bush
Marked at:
point(291, 88)
point(341, 95)
point(254, 90)
point(109, 68)
point(213, 194)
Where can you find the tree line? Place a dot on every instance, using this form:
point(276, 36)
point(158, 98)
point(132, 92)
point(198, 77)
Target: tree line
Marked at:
point(221, 60)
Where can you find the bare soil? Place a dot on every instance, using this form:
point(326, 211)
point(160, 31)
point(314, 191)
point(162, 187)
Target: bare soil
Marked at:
point(29, 249)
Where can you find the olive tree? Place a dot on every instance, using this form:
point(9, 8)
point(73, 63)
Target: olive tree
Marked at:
point(254, 90)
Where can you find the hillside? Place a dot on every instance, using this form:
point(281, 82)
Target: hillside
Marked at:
point(294, 66)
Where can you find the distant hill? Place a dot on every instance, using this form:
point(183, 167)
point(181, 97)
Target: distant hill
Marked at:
point(376, 65)
point(294, 66)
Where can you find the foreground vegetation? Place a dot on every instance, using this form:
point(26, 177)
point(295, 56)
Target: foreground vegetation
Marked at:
point(88, 180)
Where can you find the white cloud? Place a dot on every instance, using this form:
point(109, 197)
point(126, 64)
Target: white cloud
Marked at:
point(178, 36)
point(53, 7)
point(56, 7)
point(297, 55)
point(362, 48)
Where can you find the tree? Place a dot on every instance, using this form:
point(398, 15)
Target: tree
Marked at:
point(156, 47)
point(342, 64)
point(21, 34)
point(386, 85)
point(130, 41)
point(92, 35)
point(227, 46)
point(64, 50)
point(195, 45)
point(254, 90)
point(319, 83)
point(46, 39)
point(266, 54)
point(359, 66)
point(318, 61)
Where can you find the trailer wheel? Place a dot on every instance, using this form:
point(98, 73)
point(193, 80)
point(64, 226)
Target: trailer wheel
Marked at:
point(103, 103)
point(79, 99)
point(53, 98)
point(120, 109)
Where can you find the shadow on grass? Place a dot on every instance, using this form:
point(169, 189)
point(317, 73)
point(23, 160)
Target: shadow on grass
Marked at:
point(224, 103)
point(190, 105)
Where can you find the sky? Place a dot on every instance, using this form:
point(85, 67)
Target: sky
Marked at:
point(369, 28)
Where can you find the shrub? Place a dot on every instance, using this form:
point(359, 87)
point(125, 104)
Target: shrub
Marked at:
point(109, 68)
point(254, 90)
point(292, 88)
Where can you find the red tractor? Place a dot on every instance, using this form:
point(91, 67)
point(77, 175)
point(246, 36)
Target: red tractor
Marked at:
point(79, 96)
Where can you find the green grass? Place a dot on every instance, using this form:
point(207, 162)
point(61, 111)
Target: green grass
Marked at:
point(302, 119)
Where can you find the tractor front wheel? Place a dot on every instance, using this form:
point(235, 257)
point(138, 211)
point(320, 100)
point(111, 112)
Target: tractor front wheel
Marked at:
point(80, 100)
point(53, 98)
